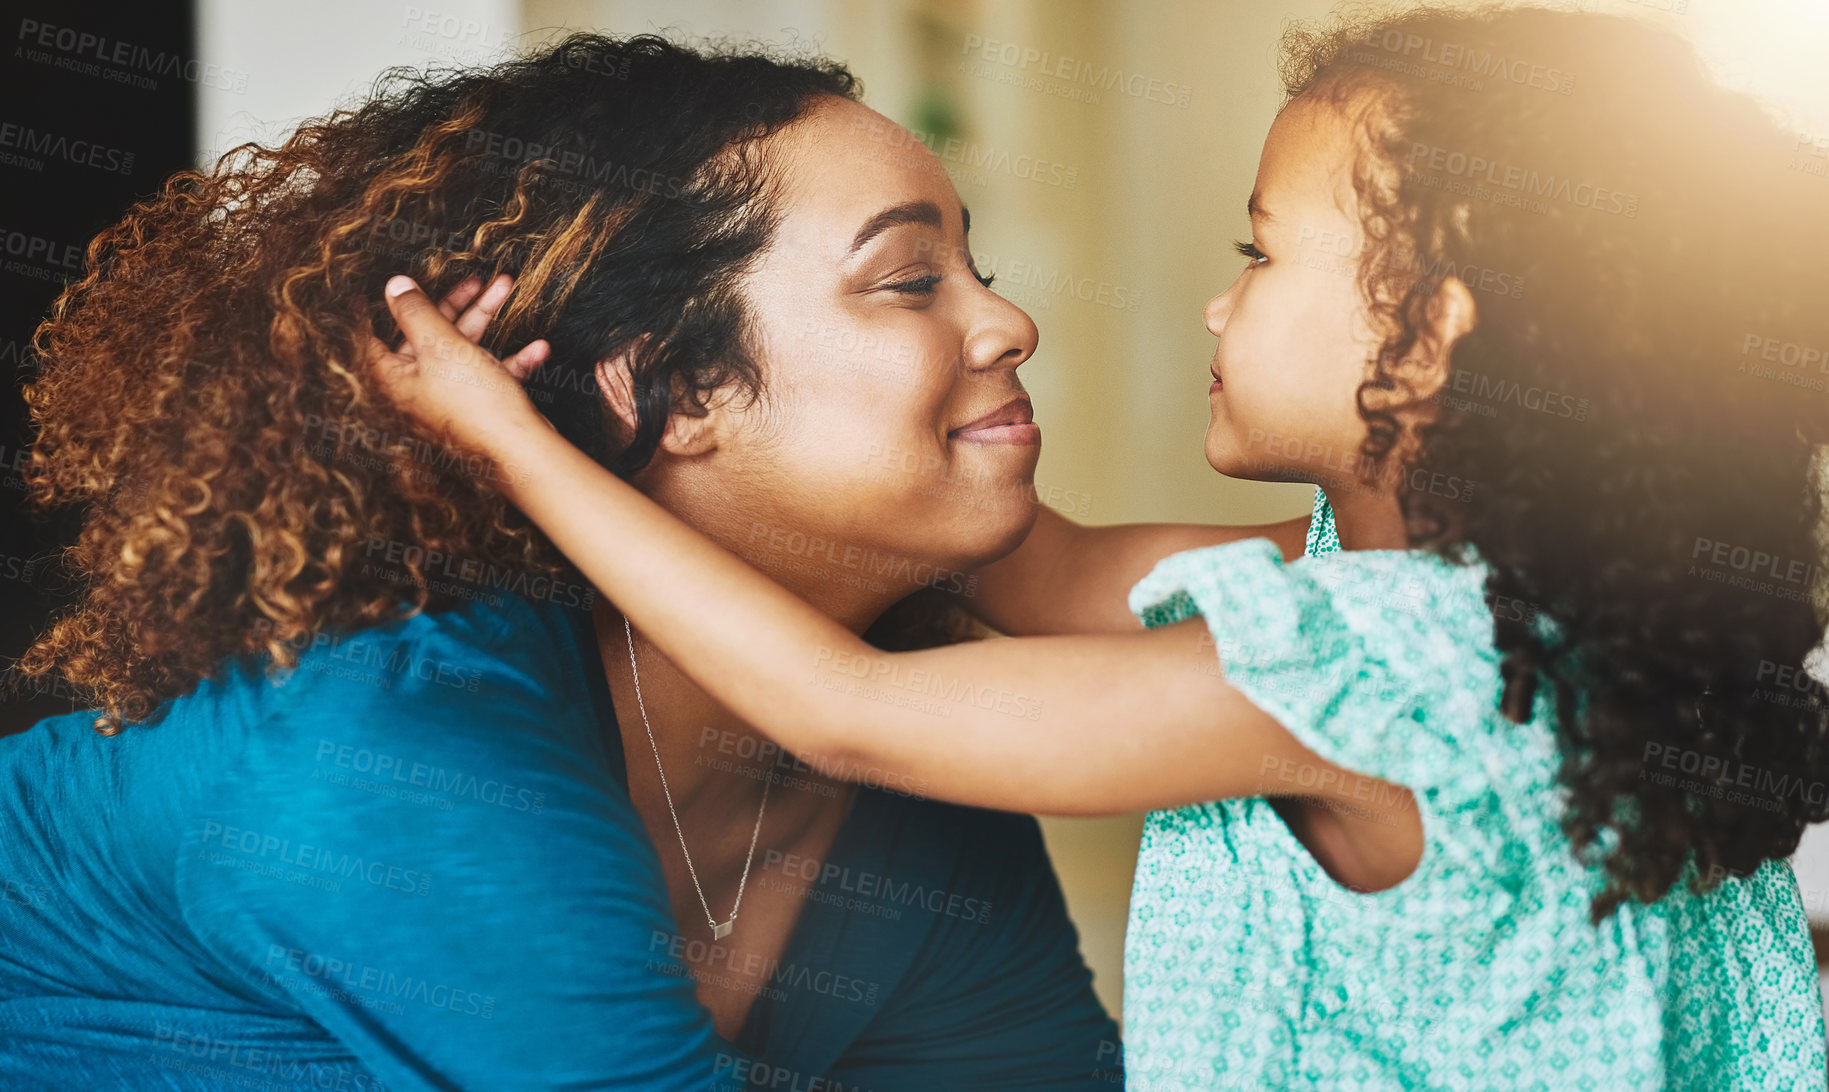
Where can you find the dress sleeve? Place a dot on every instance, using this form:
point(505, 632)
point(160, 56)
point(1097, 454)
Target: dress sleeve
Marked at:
point(1353, 685)
point(418, 851)
point(998, 996)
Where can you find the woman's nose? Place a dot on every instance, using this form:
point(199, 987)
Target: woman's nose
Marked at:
point(1005, 336)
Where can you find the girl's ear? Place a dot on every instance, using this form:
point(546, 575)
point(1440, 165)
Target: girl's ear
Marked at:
point(1450, 313)
point(686, 433)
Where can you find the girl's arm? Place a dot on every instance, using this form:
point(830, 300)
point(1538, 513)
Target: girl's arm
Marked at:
point(1059, 725)
point(1067, 578)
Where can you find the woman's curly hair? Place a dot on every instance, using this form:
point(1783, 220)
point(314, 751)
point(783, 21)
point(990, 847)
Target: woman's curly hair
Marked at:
point(1633, 421)
point(204, 391)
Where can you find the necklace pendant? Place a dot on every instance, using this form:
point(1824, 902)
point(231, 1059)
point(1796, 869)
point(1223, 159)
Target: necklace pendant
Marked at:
point(722, 929)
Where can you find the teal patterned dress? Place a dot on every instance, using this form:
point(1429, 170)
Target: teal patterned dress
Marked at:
point(1247, 967)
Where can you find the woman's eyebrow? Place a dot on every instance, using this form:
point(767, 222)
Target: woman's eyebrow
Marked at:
point(912, 212)
point(1254, 207)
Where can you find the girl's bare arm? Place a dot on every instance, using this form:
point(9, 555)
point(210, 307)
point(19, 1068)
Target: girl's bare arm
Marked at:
point(1060, 725)
point(1069, 578)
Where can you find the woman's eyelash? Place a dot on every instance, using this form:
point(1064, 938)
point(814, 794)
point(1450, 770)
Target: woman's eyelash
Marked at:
point(1249, 251)
point(919, 286)
point(922, 286)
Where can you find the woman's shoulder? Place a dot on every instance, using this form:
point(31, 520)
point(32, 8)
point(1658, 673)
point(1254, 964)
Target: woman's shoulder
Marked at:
point(440, 673)
point(433, 707)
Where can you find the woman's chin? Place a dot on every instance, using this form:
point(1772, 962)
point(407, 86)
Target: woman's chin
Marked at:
point(991, 524)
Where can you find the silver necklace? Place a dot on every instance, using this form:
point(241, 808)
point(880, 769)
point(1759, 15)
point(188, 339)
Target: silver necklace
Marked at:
point(718, 930)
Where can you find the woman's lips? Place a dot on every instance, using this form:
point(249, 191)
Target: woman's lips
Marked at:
point(1027, 432)
point(1011, 423)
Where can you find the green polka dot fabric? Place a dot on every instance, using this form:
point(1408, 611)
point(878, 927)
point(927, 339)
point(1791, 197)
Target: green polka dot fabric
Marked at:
point(1247, 967)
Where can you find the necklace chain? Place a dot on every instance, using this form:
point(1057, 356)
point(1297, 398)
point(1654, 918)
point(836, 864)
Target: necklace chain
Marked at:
point(718, 932)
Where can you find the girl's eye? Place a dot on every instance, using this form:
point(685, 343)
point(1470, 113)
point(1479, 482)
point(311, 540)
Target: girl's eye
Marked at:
point(919, 286)
point(1250, 252)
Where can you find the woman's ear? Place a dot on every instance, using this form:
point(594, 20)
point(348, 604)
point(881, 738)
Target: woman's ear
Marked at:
point(686, 434)
point(615, 380)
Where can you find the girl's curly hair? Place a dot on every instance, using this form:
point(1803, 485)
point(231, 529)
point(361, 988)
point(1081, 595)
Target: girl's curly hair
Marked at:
point(204, 391)
point(1628, 434)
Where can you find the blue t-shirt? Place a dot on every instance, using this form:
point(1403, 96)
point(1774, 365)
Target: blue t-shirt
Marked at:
point(412, 863)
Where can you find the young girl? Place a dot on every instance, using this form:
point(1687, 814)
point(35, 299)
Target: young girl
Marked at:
point(1497, 794)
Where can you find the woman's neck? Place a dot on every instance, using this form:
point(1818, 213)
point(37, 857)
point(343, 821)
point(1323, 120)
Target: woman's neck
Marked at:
point(716, 765)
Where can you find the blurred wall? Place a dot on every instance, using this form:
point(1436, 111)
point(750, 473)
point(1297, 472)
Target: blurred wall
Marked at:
point(303, 59)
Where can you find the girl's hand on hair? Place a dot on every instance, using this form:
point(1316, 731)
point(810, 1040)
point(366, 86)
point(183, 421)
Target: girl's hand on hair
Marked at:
point(441, 376)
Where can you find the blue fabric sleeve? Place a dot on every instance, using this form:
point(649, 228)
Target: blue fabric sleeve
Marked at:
point(999, 996)
point(419, 850)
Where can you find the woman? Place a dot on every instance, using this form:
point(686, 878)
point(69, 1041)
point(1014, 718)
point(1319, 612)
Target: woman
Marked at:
point(362, 812)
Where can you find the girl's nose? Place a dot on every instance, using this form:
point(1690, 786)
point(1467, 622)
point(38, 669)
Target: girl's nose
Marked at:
point(1218, 310)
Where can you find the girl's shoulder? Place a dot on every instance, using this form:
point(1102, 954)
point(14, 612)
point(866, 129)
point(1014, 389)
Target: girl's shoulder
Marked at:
point(1380, 660)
